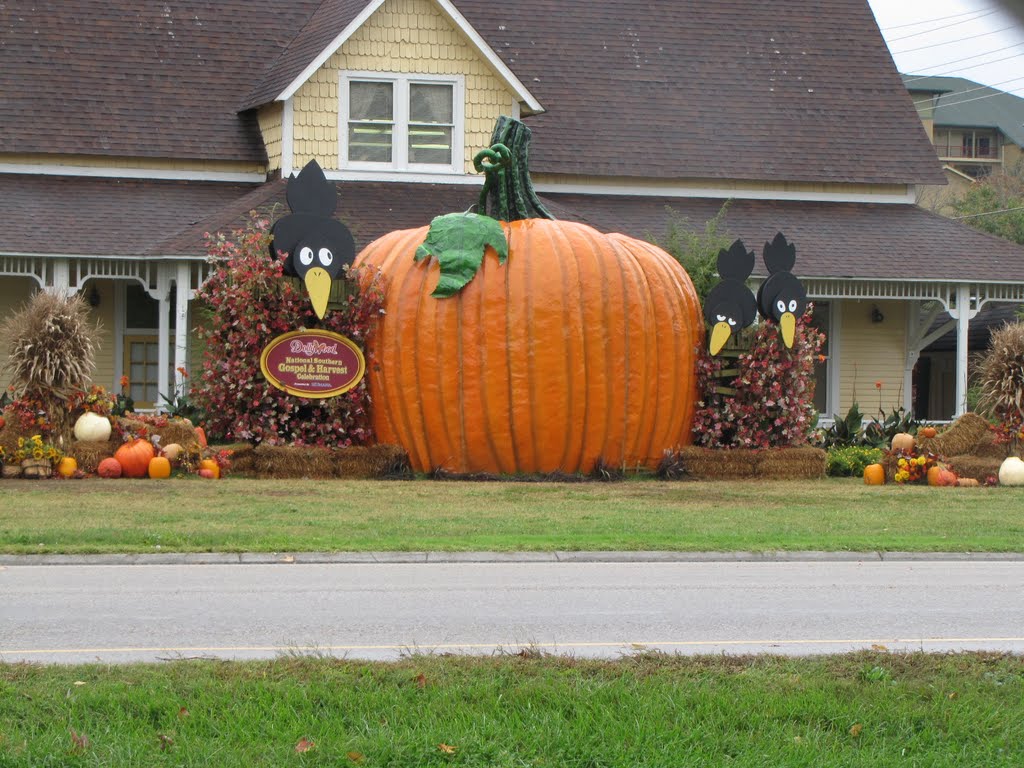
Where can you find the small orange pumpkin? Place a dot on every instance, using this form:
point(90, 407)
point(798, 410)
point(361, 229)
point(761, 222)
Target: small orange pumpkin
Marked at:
point(201, 436)
point(206, 474)
point(67, 466)
point(159, 468)
point(928, 432)
point(211, 466)
point(134, 457)
point(968, 482)
point(874, 474)
point(947, 477)
point(109, 468)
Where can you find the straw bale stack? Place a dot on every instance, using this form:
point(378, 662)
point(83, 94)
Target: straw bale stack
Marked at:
point(285, 462)
point(799, 463)
point(960, 439)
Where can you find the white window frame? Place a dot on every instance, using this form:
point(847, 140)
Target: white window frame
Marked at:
point(400, 134)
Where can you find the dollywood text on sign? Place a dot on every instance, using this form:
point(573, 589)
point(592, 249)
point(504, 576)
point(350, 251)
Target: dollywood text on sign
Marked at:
point(314, 364)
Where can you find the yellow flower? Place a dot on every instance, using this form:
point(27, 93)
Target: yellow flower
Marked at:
point(37, 439)
point(37, 453)
point(21, 442)
point(920, 461)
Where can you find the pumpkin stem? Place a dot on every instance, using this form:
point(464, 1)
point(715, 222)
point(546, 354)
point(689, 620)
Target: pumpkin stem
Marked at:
point(508, 193)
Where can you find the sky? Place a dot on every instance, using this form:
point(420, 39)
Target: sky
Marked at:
point(982, 40)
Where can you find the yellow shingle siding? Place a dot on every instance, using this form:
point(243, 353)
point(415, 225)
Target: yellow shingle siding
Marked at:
point(406, 37)
point(14, 292)
point(269, 118)
point(104, 313)
point(872, 352)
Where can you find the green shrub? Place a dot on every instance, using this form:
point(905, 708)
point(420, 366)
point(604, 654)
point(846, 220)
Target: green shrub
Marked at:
point(850, 461)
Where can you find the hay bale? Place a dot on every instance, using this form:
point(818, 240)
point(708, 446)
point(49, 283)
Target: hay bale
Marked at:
point(959, 439)
point(712, 464)
point(89, 455)
point(372, 461)
point(178, 431)
point(285, 462)
point(988, 448)
point(798, 463)
point(977, 467)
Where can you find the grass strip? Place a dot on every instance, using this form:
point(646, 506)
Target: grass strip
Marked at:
point(865, 709)
point(235, 514)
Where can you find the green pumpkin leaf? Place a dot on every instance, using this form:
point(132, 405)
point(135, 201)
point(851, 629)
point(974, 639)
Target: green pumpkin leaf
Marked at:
point(459, 240)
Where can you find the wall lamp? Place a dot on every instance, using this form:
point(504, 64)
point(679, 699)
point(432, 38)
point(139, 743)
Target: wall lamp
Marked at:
point(93, 297)
point(876, 315)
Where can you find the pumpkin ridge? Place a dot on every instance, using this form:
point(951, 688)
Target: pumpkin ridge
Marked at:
point(648, 421)
point(558, 423)
point(527, 329)
point(598, 386)
point(481, 329)
point(642, 316)
point(444, 345)
point(381, 418)
point(581, 377)
point(658, 277)
point(410, 395)
point(508, 349)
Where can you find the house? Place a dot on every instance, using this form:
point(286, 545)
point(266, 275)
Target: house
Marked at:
point(130, 129)
point(976, 129)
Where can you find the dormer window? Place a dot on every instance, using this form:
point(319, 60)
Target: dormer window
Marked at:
point(401, 123)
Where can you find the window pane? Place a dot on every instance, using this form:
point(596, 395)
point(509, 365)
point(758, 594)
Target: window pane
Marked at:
point(370, 101)
point(430, 144)
point(137, 392)
point(152, 353)
point(369, 142)
point(430, 103)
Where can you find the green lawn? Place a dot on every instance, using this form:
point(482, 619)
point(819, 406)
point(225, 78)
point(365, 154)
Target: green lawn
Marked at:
point(236, 514)
point(867, 709)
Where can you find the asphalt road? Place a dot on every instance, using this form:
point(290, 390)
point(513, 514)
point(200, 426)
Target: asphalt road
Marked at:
point(117, 613)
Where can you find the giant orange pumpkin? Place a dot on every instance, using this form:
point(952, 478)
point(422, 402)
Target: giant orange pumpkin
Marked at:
point(581, 346)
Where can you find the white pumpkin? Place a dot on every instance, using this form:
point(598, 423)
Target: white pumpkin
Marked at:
point(1011, 472)
point(92, 428)
point(172, 452)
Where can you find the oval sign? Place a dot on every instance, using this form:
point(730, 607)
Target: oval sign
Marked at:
point(313, 364)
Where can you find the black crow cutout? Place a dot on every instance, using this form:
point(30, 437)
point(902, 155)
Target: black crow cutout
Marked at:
point(781, 297)
point(318, 246)
point(730, 305)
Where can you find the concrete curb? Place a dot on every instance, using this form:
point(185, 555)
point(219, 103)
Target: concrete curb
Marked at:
point(369, 558)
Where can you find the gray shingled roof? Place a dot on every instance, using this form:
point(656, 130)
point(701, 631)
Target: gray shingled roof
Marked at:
point(152, 79)
point(798, 90)
point(46, 214)
point(964, 103)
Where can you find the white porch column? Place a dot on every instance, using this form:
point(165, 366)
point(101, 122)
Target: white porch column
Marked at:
point(61, 285)
point(163, 342)
point(962, 314)
point(183, 295)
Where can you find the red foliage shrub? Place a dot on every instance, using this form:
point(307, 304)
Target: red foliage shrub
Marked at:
point(249, 304)
point(774, 401)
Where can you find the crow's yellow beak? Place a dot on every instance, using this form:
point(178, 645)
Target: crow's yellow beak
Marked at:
point(719, 335)
point(318, 286)
point(788, 324)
